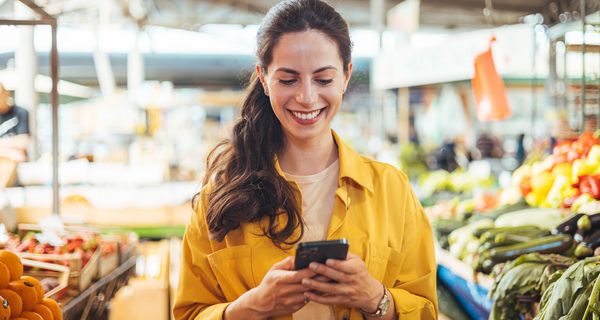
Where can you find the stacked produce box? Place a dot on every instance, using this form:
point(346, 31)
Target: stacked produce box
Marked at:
point(540, 242)
point(66, 263)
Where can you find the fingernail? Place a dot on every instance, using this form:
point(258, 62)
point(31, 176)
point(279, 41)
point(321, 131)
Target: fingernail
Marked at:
point(312, 266)
point(329, 262)
point(305, 282)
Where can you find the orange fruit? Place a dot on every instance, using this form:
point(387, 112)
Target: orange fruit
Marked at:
point(13, 262)
point(39, 290)
point(4, 276)
point(54, 307)
point(14, 301)
point(43, 311)
point(4, 309)
point(26, 291)
point(31, 316)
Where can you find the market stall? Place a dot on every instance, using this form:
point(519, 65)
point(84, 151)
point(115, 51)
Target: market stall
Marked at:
point(148, 88)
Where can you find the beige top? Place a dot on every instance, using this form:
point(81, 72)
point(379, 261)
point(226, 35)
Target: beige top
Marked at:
point(318, 195)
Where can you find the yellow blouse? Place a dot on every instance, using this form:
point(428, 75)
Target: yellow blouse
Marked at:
point(375, 209)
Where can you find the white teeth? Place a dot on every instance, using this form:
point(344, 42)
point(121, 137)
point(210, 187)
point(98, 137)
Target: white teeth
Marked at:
point(306, 116)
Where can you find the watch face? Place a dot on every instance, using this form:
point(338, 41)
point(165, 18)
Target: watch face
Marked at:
point(384, 305)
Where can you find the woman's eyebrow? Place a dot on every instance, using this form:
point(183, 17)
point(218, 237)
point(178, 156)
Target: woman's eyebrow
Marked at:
point(292, 71)
point(325, 68)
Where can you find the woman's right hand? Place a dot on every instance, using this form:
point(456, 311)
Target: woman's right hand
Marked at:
point(280, 293)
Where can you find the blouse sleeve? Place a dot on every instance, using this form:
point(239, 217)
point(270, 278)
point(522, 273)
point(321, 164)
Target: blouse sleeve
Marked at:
point(198, 293)
point(414, 291)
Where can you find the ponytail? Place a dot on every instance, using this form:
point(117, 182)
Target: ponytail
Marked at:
point(246, 187)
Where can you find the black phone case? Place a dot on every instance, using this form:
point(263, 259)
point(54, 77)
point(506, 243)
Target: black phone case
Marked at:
point(320, 251)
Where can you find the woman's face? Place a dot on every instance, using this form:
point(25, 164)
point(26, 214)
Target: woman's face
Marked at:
point(305, 83)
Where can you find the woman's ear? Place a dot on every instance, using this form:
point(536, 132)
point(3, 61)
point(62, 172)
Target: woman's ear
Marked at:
point(348, 75)
point(261, 77)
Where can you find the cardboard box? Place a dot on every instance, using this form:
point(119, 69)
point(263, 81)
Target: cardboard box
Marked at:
point(141, 299)
point(147, 295)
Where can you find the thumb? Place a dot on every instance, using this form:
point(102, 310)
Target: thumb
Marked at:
point(285, 264)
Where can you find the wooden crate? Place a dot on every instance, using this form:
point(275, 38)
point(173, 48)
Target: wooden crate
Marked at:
point(80, 277)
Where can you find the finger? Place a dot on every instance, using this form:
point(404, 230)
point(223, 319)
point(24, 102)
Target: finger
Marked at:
point(285, 276)
point(297, 276)
point(285, 264)
point(292, 290)
point(329, 272)
point(321, 278)
point(326, 300)
point(353, 256)
point(324, 287)
point(349, 266)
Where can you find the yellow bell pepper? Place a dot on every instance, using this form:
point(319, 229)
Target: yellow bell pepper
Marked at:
point(562, 169)
point(541, 183)
point(593, 160)
point(561, 189)
point(581, 168)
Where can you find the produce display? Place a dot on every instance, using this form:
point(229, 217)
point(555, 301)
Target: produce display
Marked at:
point(457, 181)
point(82, 244)
point(521, 282)
point(23, 296)
point(575, 294)
point(538, 240)
point(570, 177)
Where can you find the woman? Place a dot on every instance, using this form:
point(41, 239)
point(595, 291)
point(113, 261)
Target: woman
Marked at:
point(286, 177)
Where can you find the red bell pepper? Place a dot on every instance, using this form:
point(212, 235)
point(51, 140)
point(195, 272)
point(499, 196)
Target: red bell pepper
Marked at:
point(591, 185)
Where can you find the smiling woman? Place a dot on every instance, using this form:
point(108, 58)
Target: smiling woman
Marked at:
point(286, 177)
point(305, 83)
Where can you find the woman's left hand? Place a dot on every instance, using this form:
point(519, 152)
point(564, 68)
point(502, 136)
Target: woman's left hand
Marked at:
point(352, 285)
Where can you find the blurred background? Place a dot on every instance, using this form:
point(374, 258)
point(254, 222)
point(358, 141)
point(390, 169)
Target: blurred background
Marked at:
point(119, 102)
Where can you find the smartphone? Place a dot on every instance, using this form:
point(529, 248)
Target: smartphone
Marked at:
point(320, 251)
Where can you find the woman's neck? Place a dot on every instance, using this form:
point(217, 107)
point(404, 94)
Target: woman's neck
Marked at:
point(303, 158)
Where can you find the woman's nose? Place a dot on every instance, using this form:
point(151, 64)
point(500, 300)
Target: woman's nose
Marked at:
point(306, 94)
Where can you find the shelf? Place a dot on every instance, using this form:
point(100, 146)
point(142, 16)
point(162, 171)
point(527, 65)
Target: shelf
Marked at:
point(94, 301)
point(469, 288)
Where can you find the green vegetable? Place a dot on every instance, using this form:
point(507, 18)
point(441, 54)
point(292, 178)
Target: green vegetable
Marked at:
point(594, 304)
point(527, 276)
point(582, 251)
point(564, 298)
point(550, 244)
point(584, 223)
point(491, 233)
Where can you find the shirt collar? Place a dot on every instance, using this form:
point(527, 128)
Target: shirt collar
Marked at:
point(352, 165)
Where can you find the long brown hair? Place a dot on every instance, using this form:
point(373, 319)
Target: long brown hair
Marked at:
point(246, 187)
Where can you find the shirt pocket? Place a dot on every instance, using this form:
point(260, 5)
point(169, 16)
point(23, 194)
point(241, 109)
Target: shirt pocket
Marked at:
point(232, 267)
point(384, 263)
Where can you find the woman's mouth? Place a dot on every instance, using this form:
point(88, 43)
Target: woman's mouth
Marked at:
point(307, 117)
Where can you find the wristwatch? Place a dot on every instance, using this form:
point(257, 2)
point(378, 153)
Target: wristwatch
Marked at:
point(382, 308)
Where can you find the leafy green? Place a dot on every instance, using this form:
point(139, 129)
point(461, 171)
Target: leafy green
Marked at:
point(593, 306)
point(566, 299)
point(522, 281)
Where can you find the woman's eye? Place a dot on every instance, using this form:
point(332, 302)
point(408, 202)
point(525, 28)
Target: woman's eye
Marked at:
point(287, 82)
point(325, 82)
